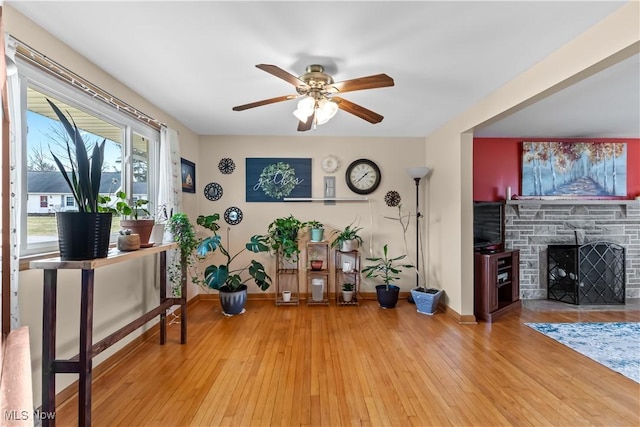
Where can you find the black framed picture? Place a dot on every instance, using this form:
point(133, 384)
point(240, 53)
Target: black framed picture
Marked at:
point(188, 176)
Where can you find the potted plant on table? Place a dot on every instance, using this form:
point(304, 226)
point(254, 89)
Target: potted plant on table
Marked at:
point(83, 234)
point(348, 290)
point(283, 237)
point(388, 270)
point(316, 230)
point(134, 216)
point(315, 261)
point(225, 279)
point(348, 239)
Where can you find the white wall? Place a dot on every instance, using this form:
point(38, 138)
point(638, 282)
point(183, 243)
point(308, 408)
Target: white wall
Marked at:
point(122, 292)
point(393, 156)
point(450, 147)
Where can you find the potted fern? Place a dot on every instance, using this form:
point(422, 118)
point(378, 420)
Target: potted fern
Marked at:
point(388, 270)
point(83, 234)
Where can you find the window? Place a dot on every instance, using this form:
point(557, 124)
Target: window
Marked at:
point(130, 150)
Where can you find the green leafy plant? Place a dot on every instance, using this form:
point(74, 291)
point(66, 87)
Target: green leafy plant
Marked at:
point(86, 173)
point(313, 224)
point(120, 206)
point(385, 268)
point(283, 237)
point(222, 276)
point(348, 233)
point(184, 263)
point(347, 287)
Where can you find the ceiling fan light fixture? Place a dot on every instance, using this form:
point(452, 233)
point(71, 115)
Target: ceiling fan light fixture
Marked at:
point(325, 111)
point(305, 108)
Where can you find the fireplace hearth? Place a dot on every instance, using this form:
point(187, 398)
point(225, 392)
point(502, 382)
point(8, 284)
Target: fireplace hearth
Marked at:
point(593, 273)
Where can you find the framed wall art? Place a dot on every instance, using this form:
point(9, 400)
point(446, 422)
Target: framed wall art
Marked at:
point(273, 179)
point(188, 176)
point(589, 170)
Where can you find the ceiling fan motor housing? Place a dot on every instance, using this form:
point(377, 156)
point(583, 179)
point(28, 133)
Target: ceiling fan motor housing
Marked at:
point(316, 79)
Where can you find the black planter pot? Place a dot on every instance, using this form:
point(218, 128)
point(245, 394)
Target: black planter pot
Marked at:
point(387, 298)
point(83, 235)
point(233, 301)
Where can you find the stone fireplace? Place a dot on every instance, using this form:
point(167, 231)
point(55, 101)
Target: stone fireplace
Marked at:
point(533, 225)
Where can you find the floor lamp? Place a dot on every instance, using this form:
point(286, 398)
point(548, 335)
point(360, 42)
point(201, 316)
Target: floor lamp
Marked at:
point(417, 174)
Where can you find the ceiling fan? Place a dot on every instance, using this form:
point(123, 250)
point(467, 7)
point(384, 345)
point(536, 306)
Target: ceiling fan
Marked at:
point(317, 90)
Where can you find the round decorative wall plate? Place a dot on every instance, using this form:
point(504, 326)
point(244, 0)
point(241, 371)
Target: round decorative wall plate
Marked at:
point(330, 164)
point(213, 191)
point(392, 199)
point(226, 166)
point(233, 215)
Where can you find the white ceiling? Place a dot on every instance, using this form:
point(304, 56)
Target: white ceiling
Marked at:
point(197, 60)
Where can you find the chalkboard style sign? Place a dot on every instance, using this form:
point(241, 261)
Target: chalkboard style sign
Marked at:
point(273, 179)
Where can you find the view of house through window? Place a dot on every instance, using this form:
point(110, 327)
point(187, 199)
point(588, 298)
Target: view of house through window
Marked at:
point(47, 191)
point(140, 166)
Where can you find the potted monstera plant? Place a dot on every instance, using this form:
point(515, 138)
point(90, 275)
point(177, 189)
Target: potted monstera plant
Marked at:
point(223, 277)
point(387, 269)
point(83, 234)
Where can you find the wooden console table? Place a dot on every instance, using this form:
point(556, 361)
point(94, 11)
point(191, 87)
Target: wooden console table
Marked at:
point(82, 363)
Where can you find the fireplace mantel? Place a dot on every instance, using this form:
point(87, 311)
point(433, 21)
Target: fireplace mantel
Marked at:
point(531, 202)
point(623, 204)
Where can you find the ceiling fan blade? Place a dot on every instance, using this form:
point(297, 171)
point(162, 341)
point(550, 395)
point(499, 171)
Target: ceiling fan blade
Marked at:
point(369, 82)
point(282, 74)
point(357, 110)
point(305, 126)
point(264, 102)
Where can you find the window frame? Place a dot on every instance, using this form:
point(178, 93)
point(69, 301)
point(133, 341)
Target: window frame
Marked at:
point(30, 76)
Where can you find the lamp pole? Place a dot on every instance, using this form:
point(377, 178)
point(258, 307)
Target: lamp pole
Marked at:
point(417, 232)
point(417, 174)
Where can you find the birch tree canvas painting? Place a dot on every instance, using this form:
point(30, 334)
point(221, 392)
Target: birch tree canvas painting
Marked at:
point(574, 169)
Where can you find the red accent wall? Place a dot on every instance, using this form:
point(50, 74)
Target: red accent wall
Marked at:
point(497, 164)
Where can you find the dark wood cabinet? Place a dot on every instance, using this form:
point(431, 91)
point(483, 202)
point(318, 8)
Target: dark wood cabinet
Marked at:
point(497, 284)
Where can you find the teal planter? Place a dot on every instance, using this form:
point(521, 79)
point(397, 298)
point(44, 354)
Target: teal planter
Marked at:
point(317, 234)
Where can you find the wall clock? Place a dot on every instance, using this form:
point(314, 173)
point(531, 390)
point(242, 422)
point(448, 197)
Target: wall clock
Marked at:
point(233, 215)
point(363, 176)
point(330, 164)
point(213, 191)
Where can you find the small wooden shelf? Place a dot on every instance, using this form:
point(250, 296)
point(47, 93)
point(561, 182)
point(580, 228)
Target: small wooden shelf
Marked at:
point(352, 276)
point(318, 251)
point(287, 280)
point(494, 296)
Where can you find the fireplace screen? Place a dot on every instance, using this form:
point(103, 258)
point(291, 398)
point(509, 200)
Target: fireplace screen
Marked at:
point(593, 273)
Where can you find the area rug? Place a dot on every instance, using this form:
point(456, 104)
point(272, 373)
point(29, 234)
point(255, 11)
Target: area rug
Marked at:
point(615, 345)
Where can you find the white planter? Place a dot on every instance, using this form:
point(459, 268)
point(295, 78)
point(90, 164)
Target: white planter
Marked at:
point(347, 296)
point(349, 245)
point(286, 296)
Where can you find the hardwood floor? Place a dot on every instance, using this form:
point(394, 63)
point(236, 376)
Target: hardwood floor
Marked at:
point(361, 366)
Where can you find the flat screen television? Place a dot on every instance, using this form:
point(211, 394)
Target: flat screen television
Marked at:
point(488, 225)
